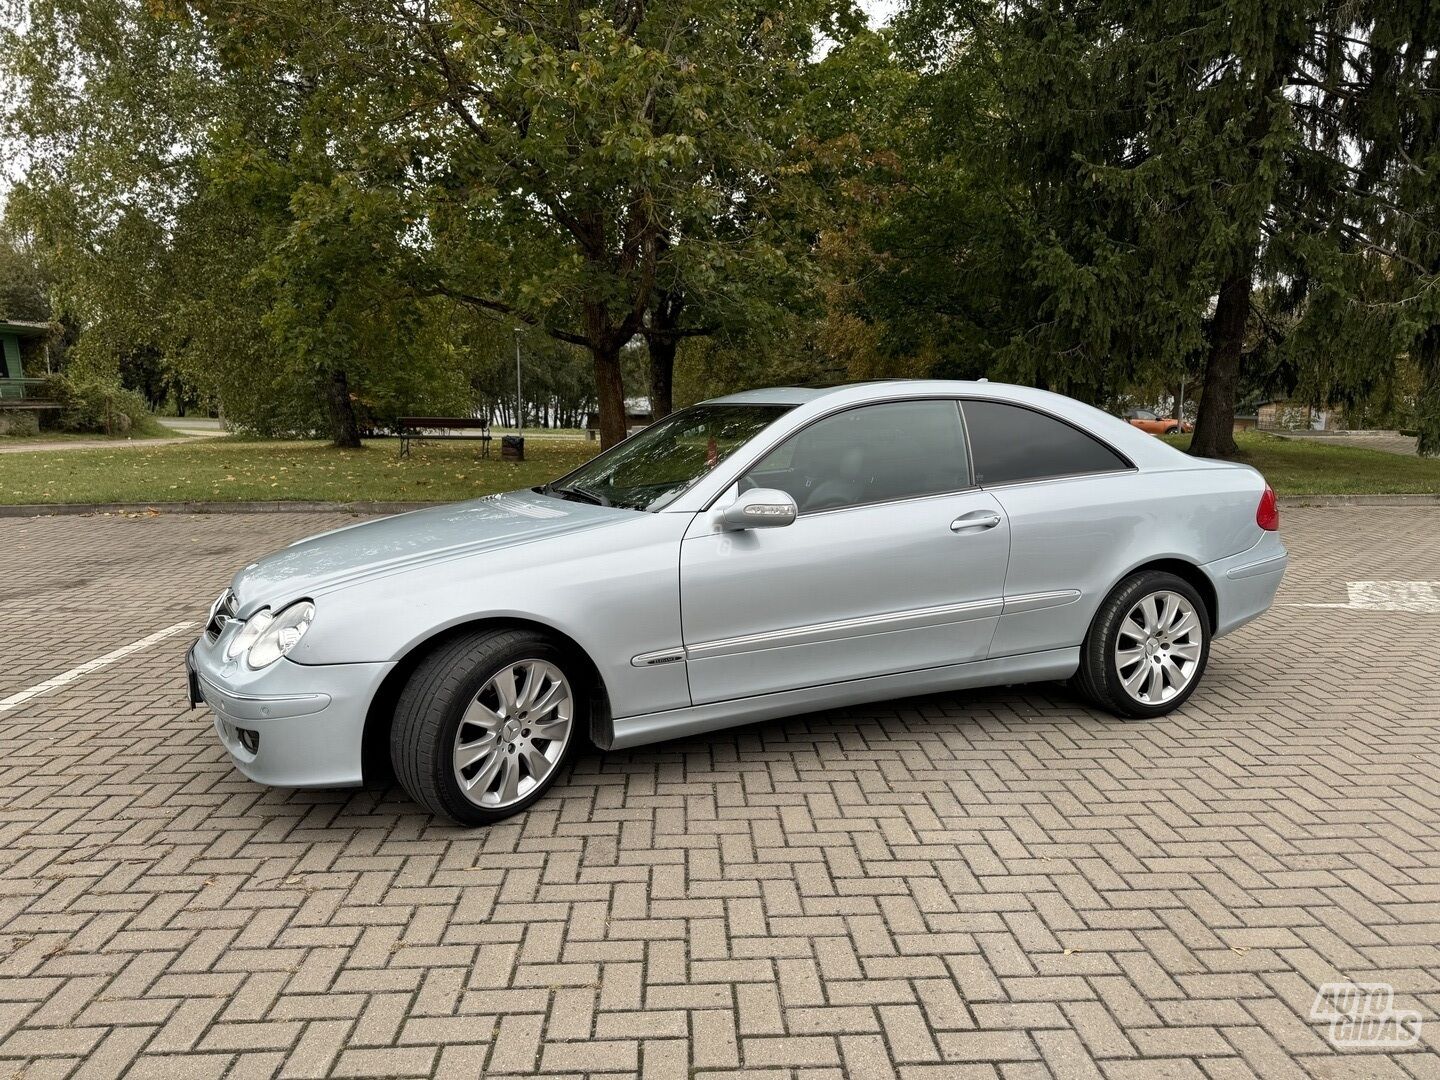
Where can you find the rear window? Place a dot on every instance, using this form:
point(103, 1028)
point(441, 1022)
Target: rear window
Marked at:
point(1010, 443)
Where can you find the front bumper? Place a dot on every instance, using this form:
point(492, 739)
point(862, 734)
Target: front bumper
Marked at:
point(287, 725)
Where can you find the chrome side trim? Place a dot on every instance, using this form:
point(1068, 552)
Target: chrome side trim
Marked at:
point(256, 707)
point(1040, 601)
point(699, 719)
point(659, 657)
point(816, 633)
point(1058, 479)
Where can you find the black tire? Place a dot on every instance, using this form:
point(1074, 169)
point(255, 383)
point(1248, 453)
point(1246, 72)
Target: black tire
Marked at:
point(1099, 678)
point(429, 710)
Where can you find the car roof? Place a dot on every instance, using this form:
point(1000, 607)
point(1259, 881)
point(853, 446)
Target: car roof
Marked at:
point(775, 395)
point(877, 389)
point(1143, 450)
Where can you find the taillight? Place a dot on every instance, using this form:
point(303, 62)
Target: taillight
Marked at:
point(1267, 514)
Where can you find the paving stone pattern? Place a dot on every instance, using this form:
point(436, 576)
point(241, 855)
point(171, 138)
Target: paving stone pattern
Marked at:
point(988, 884)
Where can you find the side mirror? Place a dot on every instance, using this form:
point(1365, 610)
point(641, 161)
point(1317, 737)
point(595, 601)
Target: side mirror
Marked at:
point(760, 508)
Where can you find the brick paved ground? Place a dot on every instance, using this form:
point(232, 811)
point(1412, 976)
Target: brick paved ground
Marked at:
point(979, 885)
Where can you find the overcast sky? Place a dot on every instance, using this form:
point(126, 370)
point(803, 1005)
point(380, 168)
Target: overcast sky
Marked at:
point(879, 10)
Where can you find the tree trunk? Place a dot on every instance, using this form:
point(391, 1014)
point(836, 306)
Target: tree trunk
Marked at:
point(1215, 422)
point(1427, 407)
point(610, 393)
point(662, 342)
point(344, 430)
point(662, 375)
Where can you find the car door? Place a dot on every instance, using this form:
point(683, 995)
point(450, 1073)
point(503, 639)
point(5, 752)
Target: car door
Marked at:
point(1066, 495)
point(895, 563)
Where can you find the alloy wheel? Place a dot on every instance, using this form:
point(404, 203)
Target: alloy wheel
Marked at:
point(1157, 650)
point(513, 734)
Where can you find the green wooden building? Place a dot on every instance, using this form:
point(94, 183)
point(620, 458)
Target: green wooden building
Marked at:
point(24, 358)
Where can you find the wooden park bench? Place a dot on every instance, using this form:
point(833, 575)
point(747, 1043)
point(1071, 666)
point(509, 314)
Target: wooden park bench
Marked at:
point(442, 427)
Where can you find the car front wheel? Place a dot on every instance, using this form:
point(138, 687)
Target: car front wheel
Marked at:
point(1147, 647)
point(485, 723)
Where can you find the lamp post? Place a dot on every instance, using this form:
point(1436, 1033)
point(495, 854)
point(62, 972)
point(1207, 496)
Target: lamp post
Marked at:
point(519, 393)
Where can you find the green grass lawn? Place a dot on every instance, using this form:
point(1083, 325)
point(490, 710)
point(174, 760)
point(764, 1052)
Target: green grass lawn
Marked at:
point(239, 470)
point(235, 470)
point(52, 436)
point(1297, 467)
point(157, 431)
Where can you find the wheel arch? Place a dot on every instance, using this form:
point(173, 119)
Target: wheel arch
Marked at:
point(375, 741)
point(1191, 574)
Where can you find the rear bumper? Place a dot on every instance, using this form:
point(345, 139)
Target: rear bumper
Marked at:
point(288, 725)
point(1245, 584)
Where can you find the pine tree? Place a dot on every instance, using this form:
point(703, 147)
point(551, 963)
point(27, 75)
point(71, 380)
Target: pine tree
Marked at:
point(1142, 190)
point(1392, 90)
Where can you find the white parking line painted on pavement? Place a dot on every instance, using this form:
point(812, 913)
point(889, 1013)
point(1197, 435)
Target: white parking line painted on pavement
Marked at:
point(99, 662)
point(1415, 596)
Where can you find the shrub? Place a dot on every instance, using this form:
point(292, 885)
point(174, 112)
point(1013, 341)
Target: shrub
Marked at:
point(98, 406)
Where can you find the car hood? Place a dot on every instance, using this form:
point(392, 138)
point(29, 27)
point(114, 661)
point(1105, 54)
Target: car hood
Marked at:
point(388, 545)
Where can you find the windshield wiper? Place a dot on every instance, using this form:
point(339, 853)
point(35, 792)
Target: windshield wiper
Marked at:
point(578, 494)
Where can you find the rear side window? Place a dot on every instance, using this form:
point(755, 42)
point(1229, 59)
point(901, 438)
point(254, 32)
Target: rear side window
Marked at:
point(1010, 443)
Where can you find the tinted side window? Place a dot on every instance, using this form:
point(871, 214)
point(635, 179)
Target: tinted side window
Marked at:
point(1011, 443)
point(876, 453)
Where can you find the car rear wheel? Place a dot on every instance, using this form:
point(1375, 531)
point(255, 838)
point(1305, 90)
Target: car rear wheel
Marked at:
point(1147, 648)
point(485, 724)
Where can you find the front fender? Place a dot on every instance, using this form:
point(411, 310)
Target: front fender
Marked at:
point(614, 600)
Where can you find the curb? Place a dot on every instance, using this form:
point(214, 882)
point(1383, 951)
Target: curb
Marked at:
point(27, 510)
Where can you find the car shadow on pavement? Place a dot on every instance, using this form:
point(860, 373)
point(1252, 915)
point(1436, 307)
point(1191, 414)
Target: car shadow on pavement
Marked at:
point(919, 742)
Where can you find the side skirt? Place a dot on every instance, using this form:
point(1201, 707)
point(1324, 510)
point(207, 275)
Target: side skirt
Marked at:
point(699, 719)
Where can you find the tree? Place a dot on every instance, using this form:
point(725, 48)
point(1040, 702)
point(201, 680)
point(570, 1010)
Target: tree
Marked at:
point(1145, 172)
point(556, 158)
point(24, 280)
point(1392, 85)
point(559, 384)
point(1264, 187)
point(1017, 245)
point(738, 273)
point(205, 237)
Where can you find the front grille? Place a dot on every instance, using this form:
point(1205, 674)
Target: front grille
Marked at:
point(221, 612)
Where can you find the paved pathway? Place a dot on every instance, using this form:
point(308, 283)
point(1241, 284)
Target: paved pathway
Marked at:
point(30, 446)
point(191, 435)
point(992, 885)
point(193, 425)
point(1389, 442)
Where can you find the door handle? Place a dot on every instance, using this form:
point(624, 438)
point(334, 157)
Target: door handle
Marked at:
point(977, 521)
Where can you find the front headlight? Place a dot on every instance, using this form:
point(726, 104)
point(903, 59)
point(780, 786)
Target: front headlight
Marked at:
point(265, 638)
point(253, 628)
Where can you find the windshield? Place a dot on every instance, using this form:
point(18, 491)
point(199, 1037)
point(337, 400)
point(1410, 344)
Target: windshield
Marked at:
point(653, 467)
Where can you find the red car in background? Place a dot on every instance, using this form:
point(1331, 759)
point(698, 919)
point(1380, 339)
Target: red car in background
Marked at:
point(1146, 420)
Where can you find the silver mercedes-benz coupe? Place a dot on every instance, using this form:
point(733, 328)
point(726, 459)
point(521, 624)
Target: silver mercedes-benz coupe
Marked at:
point(755, 556)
